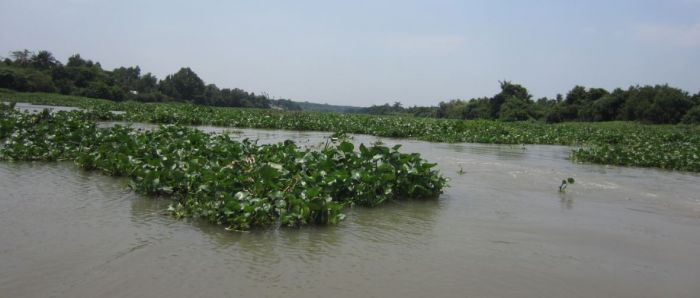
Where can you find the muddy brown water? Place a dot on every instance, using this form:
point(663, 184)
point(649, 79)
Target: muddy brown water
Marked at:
point(502, 229)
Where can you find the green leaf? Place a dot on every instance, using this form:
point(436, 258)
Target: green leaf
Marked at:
point(268, 172)
point(346, 147)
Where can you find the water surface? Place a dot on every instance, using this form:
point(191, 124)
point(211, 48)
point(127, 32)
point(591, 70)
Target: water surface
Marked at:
point(501, 230)
point(34, 108)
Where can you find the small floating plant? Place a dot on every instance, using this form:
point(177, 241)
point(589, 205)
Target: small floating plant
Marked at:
point(566, 182)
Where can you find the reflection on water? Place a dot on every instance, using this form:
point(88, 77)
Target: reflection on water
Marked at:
point(33, 109)
point(503, 152)
point(567, 201)
point(501, 230)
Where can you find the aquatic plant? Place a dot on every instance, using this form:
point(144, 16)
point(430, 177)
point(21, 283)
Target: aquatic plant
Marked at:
point(239, 184)
point(7, 123)
point(566, 182)
point(675, 147)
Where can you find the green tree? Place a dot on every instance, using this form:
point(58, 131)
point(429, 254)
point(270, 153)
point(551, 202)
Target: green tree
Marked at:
point(183, 85)
point(453, 109)
point(479, 108)
point(25, 79)
point(515, 109)
point(147, 83)
point(126, 77)
point(76, 61)
point(542, 106)
point(576, 96)
point(585, 108)
point(508, 90)
point(656, 104)
point(212, 95)
point(607, 108)
point(639, 99)
point(692, 116)
point(22, 58)
point(669, 105)
point(44, 60)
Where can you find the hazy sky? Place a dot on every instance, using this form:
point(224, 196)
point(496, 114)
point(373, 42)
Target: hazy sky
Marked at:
point(371, 52)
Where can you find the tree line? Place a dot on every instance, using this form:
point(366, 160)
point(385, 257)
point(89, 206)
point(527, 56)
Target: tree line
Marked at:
point(661, 104)
point(41, 72)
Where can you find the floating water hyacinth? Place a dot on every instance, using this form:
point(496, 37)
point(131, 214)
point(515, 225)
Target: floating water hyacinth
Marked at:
point(566, 182)
point(675, 147)
point(239, 184)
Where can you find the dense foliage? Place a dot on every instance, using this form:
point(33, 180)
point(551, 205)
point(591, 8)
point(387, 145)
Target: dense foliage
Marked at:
point(660, 104)
point(42, 72)
point(318, 107)
point(398, 109)
point(239, 184)
point(622, 143)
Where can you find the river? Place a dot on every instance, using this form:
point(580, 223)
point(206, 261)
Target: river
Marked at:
point(502, 229)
